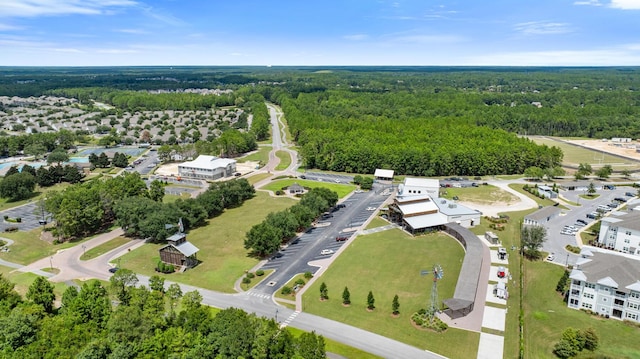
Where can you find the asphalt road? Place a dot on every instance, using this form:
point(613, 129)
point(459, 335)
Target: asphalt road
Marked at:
point(557, 242)
point(29, 215)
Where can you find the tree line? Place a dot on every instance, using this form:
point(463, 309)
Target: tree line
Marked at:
point(145, 323)
point(125, 200)
point(21, 184)
point(266, 237)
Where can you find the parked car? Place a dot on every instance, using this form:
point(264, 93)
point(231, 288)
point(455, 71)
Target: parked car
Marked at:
point(341, 238)
point(113, 269)
point(593, 215)
point(371, 208)
point(551, 257)
point(630, 194)
point(620, 199)
point(582, 221)
point(303, 177)
point(326, 252)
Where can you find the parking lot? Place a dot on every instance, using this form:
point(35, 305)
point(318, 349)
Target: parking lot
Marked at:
point(556, 241)
point(309, 246)
point(30, 219)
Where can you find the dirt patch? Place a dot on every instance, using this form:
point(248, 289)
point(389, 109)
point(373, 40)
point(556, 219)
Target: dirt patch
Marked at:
point(627, 149)
point(47, 237)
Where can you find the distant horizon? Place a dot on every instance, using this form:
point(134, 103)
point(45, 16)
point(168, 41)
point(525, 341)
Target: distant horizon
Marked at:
point(105, 33)
point(334, 66)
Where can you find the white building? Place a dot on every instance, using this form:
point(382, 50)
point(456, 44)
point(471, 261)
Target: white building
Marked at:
point(419, 186)
point(418, 208)
point(607, 283)
point(208, 167)
point(621, 233)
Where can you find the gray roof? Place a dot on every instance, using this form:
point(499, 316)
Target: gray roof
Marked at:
point(630, 220)
point(187, 248)
point(543, 213)
point(611, 269)
point(467, 285)
point(451, 208)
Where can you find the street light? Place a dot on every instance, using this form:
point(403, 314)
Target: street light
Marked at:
point(84, 250)
point(276, 315)
point(566, 263)
point(51, 262)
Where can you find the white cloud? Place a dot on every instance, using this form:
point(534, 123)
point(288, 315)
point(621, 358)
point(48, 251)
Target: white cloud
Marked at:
point(588, 2)
point(7, 27)
point(116, 51)
point(625, 4)
point(35, 8)
point(542, 28)
point(600, 57)
point(133, 31)
point(428, 39)
point(356, 37)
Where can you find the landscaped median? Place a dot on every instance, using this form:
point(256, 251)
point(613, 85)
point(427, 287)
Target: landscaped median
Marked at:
point(341, 189)
point(372, 263)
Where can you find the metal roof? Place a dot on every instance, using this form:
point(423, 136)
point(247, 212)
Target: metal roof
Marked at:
point(426, 220)
point(187, 248)
point(208, 162)
point(467, 285)
point(383, 173)
point(451, 208)
point(419, 207)
point(543, 213)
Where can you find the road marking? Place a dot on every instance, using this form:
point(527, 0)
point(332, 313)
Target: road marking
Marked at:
point(259, 295)
point(288, 320)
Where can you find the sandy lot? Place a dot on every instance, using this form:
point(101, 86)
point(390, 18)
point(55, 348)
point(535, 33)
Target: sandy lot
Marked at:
point(617, 148)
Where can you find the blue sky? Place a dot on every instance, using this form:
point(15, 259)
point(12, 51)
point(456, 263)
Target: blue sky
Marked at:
point(327, 32)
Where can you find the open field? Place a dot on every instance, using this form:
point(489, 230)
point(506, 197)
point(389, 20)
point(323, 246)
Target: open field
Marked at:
point(222, 254)
point(261, 155)
point(482, 194)
point(341, 189)
point(377, 222)
point(28, 247)
point(257, 178)
point(371, 262)
point(541, 201)
point(597, 156)
point(285, 160)
point(104, 248)
point(546, 316)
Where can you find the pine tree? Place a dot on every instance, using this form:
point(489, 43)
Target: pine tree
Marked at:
point(324, 292)
point(395, 306)
point(346, 296)
point(370, 301)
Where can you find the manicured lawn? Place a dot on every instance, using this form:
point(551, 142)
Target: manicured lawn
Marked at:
point(257, 178)
point(371, 264)
point(285, 160)
point(377, 222)
point(221, 244)
point(104, 248)
point(341, 189)
point(261, 155)
point(481, 194)
point(170, 198)
point(338, 348)
point(28, 247)
point(291, 283)
point(574, 155)
point(541, 202)
point(546, 316)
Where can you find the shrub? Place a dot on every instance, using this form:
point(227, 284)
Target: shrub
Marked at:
point(279, 193)
point(286, 290)
point(163, 267)
point(572, 249)
point(259, 272)
point(11, 229)
point(308, 275)
point(250, 275)
point(246, 280)
point(300, 281)
point(18, 219)
point(6, 217)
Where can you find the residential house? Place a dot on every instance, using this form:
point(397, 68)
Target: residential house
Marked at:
point(621, 233)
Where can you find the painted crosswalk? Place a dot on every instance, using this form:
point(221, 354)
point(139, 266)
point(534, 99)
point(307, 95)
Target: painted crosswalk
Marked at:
point(258, 295)
point(290, 319)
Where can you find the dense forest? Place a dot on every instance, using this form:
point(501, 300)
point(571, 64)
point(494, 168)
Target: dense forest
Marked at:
point(417, 120)
point(125, 321)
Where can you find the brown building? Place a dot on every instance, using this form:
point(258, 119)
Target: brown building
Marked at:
point(179, 251)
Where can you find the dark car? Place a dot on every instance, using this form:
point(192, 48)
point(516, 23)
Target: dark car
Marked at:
point(303, 177)
point(237, 174)
point(42, 222)
point(620, 199)
point(629, 194)
point(582, 221)
point(341, 238)
point(113, 269)
point(277, 255)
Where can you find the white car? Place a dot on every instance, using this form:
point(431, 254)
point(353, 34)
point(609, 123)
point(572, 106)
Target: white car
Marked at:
point(326, 252)
point(551, 257)
point(371, 208)
point(337, 181)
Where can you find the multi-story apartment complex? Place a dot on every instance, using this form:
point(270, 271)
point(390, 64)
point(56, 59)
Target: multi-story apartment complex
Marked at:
point(621, 233)
point(607, 283)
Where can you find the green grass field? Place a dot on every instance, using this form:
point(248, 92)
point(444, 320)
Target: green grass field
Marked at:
point(261, 155)
point(377, 222)
point(482, 194)
point(574, 155)
point(28, 247)
point(546, 316)
point(221, 243)
point(371, 264)
point(285, 160)
point(104, 248)
point(341, 189)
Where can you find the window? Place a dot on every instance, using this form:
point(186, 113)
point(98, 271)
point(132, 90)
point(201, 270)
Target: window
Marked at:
point(635, 295)
point(628, 233)
point(587, 305)
point(588, 295)
point(589, 285)
point(626, 240)
point(633, 305)
point(625, 249)
point(604, 299)
point(573, 302)
point(632, 316)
